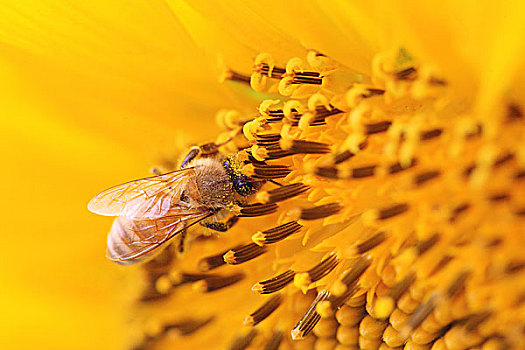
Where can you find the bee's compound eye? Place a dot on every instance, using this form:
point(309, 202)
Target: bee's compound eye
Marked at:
point(184, 197)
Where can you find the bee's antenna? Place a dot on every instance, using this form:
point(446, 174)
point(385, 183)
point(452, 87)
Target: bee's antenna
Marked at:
point(275, 182)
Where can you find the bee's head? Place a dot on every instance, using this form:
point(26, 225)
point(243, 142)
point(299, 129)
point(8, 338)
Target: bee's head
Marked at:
point(243, 184)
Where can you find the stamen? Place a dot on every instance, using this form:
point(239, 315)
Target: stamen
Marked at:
point(475, 320)
point(424, 246)
point(275, 341)
point(421, 178)
point(232, 75)
point(211, 262)
point(402, 286)
point(514, 266)
point(457, 286)
point(503, 159)
point(274, 284)
point(275, 116)
point(286, 192)
point(365, 171)
point(392, 211)
point(409, 73)
point(351, 276)
point(317, 272)
point(258, 209)
point(457, 211)
point(187, 327)
point(243, 253)
point(375, 128)
point(371, 243)
point(271, 72)
point(430, 134)
point(308, 147)
point(424, 310)
point(397, 167)
point(372, 92)
point(267, 139)
point(341, 157)
point(514, 112)
point(345, 155)
point(185, 277)
point(320, 211)
point(328, 172)
point(313, 78)
point(262, 171)
point(310, 318)
point(243, 342)
point(417, 318)
point(499, 197)
point(182, 328)
point(276, 234)
point(441, 264)
point(214, 283)
point(264, 311)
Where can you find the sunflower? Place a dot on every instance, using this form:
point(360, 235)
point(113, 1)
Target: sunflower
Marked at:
point(390, 136)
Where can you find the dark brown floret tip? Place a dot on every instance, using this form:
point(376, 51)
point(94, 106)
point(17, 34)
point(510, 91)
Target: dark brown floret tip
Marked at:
point(371, 243)
point(274, 284)
point(351, 276)
point(392, 211)
point(321, 211)
point(286, 192)
point(323, 268)
point(275, 341)
point(426, 176)
point(258, 209)
point(217, 282)
point(211, 262)
point(264, 311)
point(243, 253)
point(277, 233)
point(310, 318)
point(244, 341)
point(263, 171)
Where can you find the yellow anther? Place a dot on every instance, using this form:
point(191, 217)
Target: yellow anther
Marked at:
point(384, 306)
point(163, 284)
point(232, 118)
point(302, 281)
point(286, 88)
point(259, 153)
point(265, 106)
point(306, 120)
point(318, 100)
point(265, 58)
point(246, 130)
point(290, 106)
point(285, 143)
point(294, 65)
point(355, 94)
point(262, 197)
point(258, 82)
point(258, 238)
point(324, 309)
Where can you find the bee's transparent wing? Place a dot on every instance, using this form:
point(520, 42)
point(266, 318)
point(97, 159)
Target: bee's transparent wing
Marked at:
point(131, 240)
point(149, 198)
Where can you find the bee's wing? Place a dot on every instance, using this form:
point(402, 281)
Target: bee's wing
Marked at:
point(131, 240)
point(151, 197)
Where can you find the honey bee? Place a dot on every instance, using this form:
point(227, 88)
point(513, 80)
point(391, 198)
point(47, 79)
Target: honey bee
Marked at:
point(207, 189)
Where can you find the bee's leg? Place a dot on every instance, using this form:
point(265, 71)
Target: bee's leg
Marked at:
point(192, 154)
point(155, 171)
point(206, 149)
point(221, 226)
point(183, 241)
